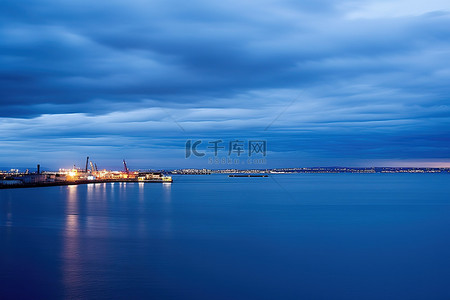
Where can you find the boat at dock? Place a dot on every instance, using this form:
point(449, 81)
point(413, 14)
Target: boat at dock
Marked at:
point(154, 177)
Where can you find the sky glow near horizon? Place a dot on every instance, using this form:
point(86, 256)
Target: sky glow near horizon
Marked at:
point(353, 83)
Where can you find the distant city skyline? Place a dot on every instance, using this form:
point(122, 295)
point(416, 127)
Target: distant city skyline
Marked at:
point(355, 84)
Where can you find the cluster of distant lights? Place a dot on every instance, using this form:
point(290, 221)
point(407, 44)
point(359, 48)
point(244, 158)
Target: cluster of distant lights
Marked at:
point(74, 173)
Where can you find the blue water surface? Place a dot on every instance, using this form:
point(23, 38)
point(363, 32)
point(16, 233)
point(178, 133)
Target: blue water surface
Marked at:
point(287, 236)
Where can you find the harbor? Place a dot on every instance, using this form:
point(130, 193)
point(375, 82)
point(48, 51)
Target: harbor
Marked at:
point(75, 176)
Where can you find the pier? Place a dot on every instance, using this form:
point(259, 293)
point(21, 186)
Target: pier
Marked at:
point(76, 176)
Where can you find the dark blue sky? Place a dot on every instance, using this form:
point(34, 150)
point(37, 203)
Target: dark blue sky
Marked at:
point(325, 83)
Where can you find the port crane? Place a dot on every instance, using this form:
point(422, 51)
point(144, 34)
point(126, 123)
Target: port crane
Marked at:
point(125, 167)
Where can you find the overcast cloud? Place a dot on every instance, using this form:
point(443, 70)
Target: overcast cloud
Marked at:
point(324, 82)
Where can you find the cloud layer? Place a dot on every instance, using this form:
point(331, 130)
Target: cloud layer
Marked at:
point(325, 83)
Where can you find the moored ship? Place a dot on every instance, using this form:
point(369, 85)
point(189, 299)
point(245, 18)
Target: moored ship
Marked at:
point(154, 177)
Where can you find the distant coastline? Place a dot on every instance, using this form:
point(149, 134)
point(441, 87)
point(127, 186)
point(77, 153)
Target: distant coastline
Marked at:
point(311, 170)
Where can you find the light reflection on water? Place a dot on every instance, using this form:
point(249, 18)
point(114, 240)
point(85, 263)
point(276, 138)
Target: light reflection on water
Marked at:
point(167, 199)
point(141, 192)
point(167, 188)
point(9, 214)
point(87, 219)
point(71, 248)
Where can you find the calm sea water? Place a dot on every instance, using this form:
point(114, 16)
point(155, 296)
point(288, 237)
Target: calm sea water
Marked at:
point(306, 236)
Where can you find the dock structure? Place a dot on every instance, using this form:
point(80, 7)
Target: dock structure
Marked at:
point(14, 179)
